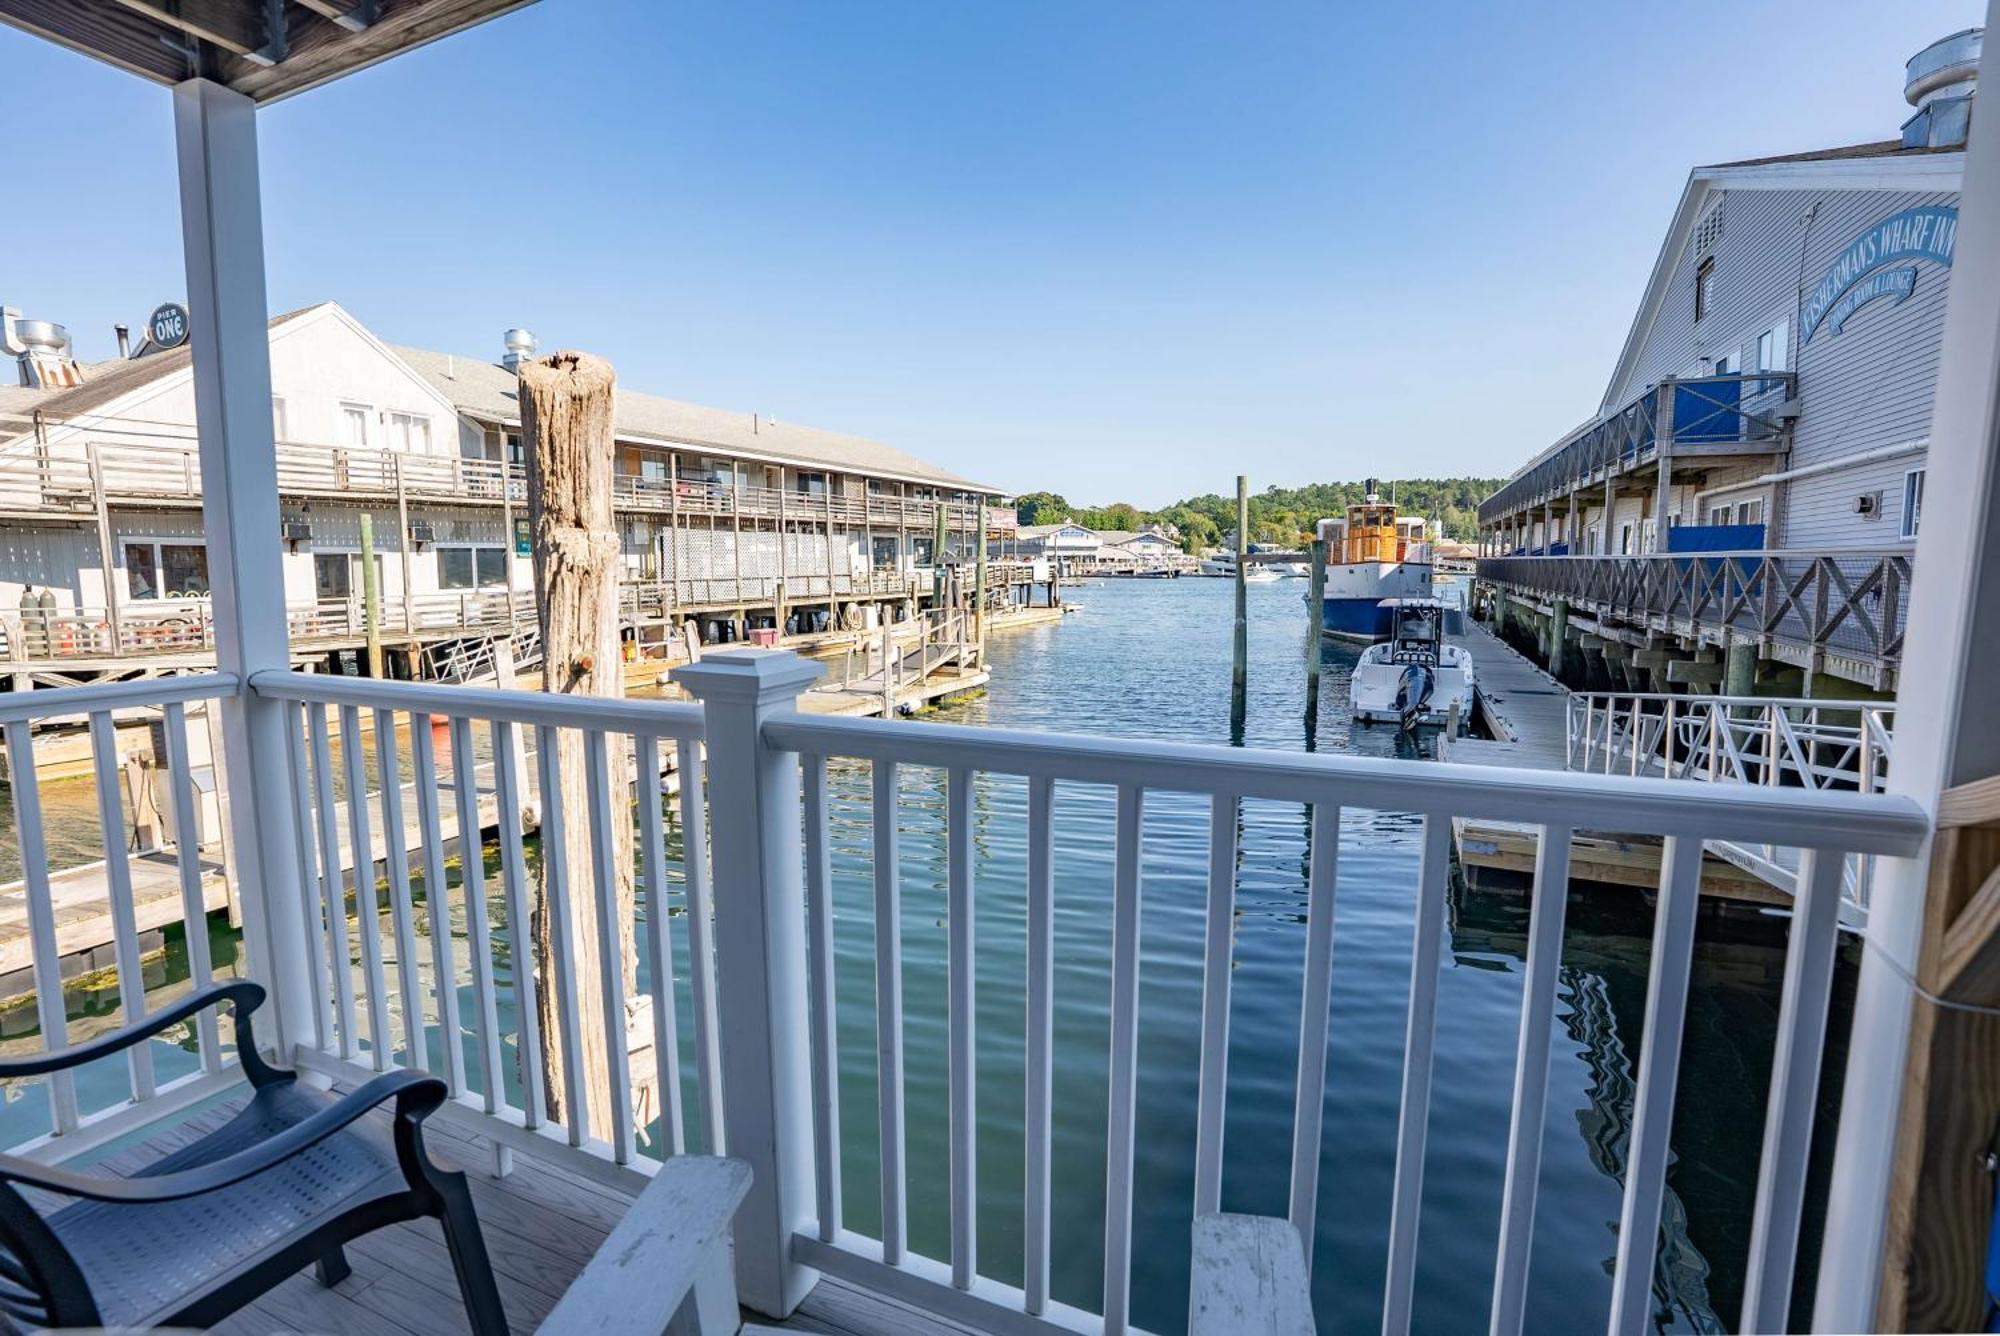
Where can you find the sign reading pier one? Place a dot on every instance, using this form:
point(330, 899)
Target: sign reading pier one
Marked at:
point(1857, 278)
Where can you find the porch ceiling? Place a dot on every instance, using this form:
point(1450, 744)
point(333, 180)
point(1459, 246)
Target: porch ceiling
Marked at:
point(264, 49)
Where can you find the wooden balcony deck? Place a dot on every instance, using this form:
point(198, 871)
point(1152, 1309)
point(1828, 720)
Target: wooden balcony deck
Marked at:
point(541, 1225)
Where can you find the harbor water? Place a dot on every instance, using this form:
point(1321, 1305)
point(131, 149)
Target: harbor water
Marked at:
point(1150, 658)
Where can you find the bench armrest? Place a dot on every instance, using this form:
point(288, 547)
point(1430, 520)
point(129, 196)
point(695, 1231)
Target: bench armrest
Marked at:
point(416, 1096)
point(1249, 1275)
point(666, 1266)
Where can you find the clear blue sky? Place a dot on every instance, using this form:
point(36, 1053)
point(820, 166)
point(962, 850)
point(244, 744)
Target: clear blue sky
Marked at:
point(1122, 249)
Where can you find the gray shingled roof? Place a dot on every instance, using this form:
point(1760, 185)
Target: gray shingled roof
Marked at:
point(486, 390)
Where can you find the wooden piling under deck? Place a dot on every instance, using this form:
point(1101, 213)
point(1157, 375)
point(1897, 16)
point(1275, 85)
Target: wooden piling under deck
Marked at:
point(1525, 712)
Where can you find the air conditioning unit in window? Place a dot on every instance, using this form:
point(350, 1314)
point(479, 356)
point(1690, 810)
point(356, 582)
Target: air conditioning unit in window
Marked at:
point(1868, 503)
point(422, 531)
point(298, 531)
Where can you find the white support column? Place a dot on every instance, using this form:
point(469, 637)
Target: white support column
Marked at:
point(1947, 733)
point(760, 961)
point(222, 231)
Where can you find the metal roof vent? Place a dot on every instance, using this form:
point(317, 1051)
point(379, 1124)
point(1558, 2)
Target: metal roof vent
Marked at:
point(520, 347)
point(42, 349)
point(1940, 82)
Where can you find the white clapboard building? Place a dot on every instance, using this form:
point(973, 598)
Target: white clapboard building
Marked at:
point(1771, 402)
point(727, 519)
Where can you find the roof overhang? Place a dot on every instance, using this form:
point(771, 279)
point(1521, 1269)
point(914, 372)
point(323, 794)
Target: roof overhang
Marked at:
point(264, 49)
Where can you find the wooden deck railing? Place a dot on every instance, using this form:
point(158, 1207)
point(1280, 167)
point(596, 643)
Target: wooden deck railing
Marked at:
point(1852, 603)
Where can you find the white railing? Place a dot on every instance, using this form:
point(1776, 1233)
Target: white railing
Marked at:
point(1815, 744)
point(758, 935)
point(68, 911)
point(1823, 825)
point(473, 776)
point(1769, 741)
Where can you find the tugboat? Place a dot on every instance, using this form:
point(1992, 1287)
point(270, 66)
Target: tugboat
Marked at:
point(1412, 678)
point(1373, 555)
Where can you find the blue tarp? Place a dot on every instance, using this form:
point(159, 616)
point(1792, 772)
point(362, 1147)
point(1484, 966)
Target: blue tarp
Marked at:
point(1715, 538)
point(1708, 410)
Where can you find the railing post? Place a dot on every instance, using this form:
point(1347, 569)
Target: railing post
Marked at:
point(222, 234)
point(760, 960)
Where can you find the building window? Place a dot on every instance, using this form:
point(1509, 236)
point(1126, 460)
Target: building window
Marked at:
point(811, 484)
point(155, 569)
point(511, 448)
point(354, 426)
point(1772, 349)
point(279, 432)
point(471, 567)
point(410, 433)
point(1751, 511)
point(1913, 501)
point(1704, 278)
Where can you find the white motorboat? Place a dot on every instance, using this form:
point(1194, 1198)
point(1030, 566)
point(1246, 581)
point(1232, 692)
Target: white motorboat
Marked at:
point(1413, 679)
point(1261, 574)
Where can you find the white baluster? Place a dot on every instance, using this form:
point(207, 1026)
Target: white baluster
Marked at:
point(1413, 1126)
point(1316, 1001)
point(1531, 1080)
point(1040, 1037)
point(187, 860)
point(1657, 1073)
point(367, 907)
point(49, 1004)
point(889, 1011)
point(118, 892)
point(820, 967)
point(1124, 1071)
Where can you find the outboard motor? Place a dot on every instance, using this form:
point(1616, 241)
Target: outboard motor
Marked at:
point(1413, 692)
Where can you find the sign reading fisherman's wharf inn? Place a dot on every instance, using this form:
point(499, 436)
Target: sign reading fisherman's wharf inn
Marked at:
point(1860, 274)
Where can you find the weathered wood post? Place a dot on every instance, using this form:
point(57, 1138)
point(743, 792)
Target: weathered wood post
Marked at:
point(566, 421)
point(1315, 597)
point(1238, 672)
point(371, 597)
point(979, 583)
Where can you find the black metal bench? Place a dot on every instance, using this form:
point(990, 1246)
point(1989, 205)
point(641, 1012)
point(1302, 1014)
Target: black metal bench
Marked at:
point(203, 1231)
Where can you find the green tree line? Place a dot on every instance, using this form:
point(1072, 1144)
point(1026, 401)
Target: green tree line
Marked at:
point(1284, 515)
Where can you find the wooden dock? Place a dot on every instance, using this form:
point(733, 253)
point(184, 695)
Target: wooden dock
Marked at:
point(1526, 713)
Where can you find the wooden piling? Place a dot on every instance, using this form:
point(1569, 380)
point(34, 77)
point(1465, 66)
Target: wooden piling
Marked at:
point(1315, 597)
point(1240, 653)
point(566, 407)
point(371, 597)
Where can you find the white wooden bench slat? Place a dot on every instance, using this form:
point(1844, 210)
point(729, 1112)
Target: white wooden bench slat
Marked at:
point(1249, 1277)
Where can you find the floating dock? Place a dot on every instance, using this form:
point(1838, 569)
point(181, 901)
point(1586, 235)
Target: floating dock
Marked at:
point(1525, 714)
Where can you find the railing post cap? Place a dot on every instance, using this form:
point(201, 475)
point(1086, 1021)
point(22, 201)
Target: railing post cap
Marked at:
point(747, 675)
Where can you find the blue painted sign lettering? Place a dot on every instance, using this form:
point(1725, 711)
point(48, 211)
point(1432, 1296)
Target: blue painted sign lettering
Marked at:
point(1857, 278)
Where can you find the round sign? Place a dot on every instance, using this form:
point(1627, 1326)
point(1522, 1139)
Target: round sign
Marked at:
point(168, 327)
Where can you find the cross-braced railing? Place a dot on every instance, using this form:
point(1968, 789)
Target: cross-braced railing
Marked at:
point(736, 924)
point(1848, 602)
point(1771, 741)
point(1737, 411)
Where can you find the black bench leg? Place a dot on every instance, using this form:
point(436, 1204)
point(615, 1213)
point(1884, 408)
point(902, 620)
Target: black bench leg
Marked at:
point(332, 1267)
point(468, 1257)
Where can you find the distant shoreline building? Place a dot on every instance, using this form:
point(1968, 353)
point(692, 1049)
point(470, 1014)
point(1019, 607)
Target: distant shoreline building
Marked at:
point(1772, 402)
point(726, 519)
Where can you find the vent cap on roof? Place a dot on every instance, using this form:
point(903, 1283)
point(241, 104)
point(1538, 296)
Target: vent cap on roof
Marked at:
point(1940, 82)
point(42, 349)
point(521, 346)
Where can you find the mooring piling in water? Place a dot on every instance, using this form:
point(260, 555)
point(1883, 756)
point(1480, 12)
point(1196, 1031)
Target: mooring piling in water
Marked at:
point(1238, 675)
point(1315, 595)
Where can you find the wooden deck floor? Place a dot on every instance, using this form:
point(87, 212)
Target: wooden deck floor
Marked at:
point(541, 1225)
